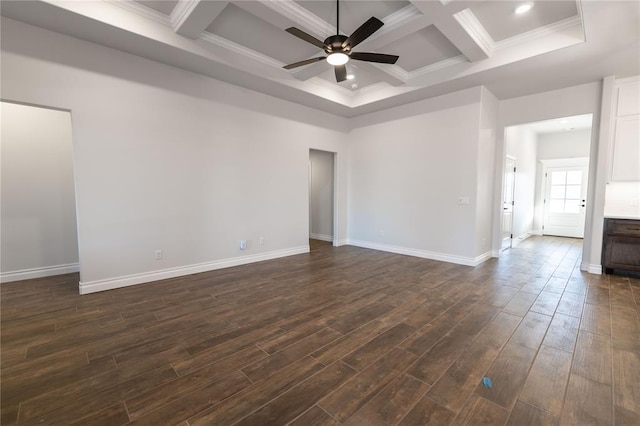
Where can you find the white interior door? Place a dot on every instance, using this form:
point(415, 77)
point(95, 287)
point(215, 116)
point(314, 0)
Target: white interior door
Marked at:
point(565, 201)
point(507, 202)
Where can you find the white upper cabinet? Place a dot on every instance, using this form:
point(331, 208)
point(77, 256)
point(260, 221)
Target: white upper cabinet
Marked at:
point(625, 149)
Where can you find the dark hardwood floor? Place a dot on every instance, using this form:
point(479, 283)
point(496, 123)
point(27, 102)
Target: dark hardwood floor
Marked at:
point(341, 335)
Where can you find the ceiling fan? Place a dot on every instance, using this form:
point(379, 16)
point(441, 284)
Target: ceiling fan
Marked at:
point(338, 47)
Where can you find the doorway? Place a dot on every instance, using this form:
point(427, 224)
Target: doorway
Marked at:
point(560, 149)
point(322, 195)
point(38, 235)
point(508, 202)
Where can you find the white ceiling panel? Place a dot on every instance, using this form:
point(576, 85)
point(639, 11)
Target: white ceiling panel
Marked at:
point(162, 6)
point(241, 27)
point(352, 13)
point(422, 48)
point(501, 22)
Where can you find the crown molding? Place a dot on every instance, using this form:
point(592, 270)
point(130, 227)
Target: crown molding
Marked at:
point(239, 49)
point(141, 10)
point(476, 30)
point(446, 63)
point(394, 70)
point(373, 88)
point(181, 11)
point(299, 14)
point(547, 30)
point(319, 81)
point(401, 17)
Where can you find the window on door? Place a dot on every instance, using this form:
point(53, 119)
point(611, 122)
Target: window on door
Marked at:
point(566, 191)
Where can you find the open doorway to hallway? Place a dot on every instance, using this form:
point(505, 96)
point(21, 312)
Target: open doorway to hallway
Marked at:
point(550, 181)
point(321, 195)
point(38, 235)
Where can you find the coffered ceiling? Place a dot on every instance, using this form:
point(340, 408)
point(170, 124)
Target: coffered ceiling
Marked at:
point(443, 45)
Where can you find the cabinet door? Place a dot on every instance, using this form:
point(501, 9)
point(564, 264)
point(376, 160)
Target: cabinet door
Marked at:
point(626, 149)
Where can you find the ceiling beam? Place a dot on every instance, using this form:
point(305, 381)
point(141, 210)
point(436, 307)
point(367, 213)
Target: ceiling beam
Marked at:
point(460, 28)
point(191, 18)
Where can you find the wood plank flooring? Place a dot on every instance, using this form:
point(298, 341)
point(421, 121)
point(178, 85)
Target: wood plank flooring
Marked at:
point(337, 336)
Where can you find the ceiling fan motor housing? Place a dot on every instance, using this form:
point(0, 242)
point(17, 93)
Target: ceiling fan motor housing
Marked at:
point(334, 44)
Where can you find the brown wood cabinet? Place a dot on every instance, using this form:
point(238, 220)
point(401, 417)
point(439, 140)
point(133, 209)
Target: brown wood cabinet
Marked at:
point(621, 245)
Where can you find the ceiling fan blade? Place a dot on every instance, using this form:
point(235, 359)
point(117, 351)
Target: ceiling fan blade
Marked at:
point(306, 37)
point(374, 57)
point(363, 32)
point(305, 62)
point(341, 73)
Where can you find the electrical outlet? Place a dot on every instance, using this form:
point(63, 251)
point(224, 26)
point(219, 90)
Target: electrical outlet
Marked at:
point(634, 203)
point(243, 244)
point(261, 241)
point(158, 254)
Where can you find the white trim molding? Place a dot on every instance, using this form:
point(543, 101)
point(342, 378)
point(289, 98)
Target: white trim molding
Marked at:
point(515, 242)
point(47, 271)
point(591, 268)
point(321, 237)
point(129, 280)
point(338, 243)
point(144, 11)
point(443, 257)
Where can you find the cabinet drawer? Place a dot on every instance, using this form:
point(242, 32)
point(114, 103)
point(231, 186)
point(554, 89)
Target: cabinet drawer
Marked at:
point(625, 227)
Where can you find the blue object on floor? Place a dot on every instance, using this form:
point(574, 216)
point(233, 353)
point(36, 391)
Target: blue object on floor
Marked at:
point(487, 382)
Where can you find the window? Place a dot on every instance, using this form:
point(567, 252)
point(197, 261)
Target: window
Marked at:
point(566, 187)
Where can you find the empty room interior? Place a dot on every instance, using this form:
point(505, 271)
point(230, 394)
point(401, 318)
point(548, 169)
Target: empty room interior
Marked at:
point(395, 212)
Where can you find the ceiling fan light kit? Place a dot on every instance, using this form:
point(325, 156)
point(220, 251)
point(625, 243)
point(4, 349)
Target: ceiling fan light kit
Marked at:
point(338, 47)
point(337, 58)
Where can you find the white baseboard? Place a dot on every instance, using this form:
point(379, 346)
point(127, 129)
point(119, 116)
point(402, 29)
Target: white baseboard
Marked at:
point(128, 280)
point(515, 242)
point(537, 232)
point(460, 260)
point(321, 237)
point(47, 271)
point(591, 268)
point(338, 243)
point(495, 253)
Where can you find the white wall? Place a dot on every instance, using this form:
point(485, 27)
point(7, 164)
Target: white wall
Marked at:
point(575, 100)
point(569, 144)
point(321, 197)
point(521, 144)
point(171, 160)
point(486, 171)
point(38, 232)
point(407, 168)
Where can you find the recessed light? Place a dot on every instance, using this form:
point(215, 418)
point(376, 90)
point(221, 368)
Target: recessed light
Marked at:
point(523, 8)
point(350, 77)
point(354, 86)
point(564, 121)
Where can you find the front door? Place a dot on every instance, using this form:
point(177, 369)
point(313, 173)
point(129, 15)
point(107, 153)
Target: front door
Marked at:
point(565, 201)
